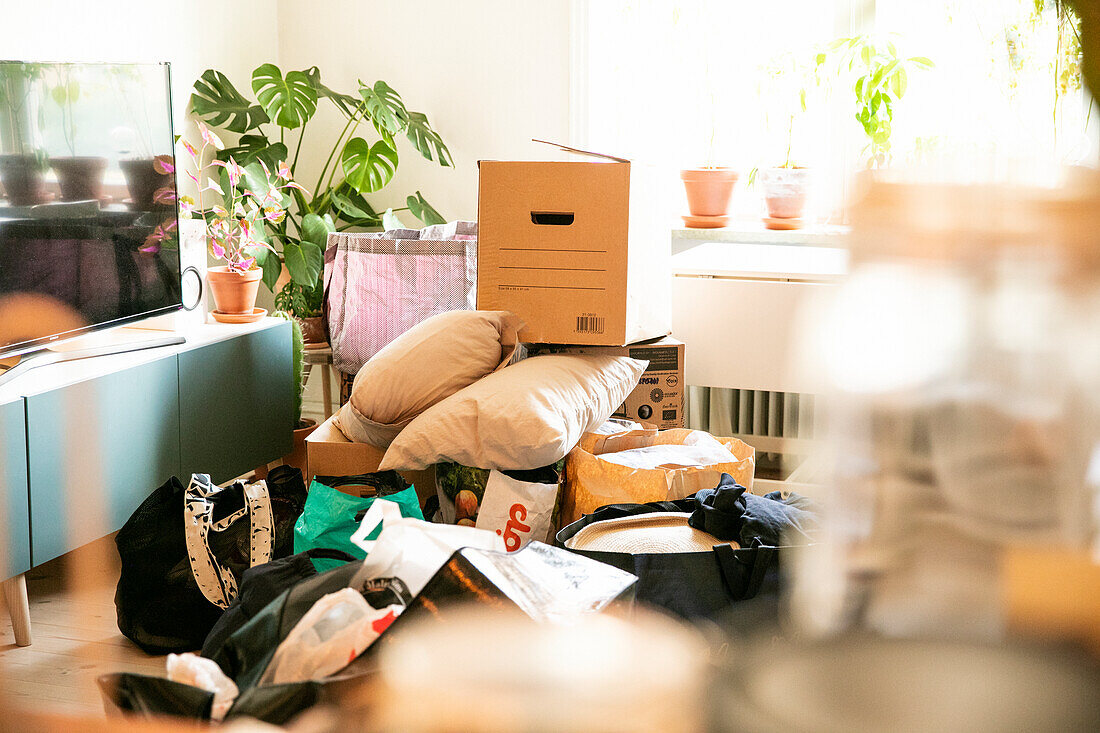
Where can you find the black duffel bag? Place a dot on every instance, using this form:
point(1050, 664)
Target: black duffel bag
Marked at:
point(184, 550)
point(691, 585)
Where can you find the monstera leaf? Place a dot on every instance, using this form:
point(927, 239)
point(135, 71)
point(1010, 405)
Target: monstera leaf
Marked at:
point(367, 168)
point(289, 101)
point(217, 101)
point(251, 148)
point(259, 184)
point(427, 140)
point(316, 229)
point(304, 261)
point(346, 103)
point(384, 107)
point(353, 208)
point(423, 211)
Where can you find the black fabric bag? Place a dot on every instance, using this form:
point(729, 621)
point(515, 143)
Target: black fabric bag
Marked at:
point(260, 586)
point(184, 550)
point(689, 584)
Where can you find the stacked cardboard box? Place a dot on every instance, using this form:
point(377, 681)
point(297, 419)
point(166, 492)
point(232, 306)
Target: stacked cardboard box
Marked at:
point(573, 249)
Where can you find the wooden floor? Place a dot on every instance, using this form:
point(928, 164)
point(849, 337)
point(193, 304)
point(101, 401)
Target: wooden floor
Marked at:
point(75, 636)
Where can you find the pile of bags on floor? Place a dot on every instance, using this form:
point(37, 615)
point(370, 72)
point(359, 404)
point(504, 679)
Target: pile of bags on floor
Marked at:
point(539, 502)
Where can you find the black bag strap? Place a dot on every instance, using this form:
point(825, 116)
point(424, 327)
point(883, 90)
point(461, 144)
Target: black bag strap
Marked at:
point(744, 569)
point(326, 553)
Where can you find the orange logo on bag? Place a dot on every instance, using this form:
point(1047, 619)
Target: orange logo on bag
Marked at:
point(515, 523)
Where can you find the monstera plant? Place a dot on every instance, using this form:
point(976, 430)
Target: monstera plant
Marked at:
point(355, 167)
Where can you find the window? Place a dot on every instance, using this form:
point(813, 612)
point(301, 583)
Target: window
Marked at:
point(679, 84)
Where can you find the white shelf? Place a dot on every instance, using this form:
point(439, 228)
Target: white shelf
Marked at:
point(761, 262)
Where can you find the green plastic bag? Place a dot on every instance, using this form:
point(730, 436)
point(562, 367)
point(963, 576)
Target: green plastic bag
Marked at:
point(331, 517)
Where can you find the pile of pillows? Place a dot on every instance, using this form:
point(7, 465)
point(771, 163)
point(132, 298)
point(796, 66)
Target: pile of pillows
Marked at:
point(455, 389)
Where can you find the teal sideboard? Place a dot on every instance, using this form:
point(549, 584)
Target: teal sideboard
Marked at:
point(15, 521)
point(83, 443)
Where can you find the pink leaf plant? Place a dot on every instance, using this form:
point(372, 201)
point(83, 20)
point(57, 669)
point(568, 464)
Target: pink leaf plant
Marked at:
point(234, 225)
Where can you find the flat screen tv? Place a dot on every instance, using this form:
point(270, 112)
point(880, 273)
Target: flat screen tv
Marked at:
point(88, 230)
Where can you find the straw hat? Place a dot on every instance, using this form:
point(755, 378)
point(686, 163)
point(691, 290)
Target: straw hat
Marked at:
point(655, 533)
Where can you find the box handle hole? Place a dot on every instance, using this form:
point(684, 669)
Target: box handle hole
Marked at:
point(552, 218)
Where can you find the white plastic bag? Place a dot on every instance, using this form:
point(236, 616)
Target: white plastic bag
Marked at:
point(191, 669)
point(518, 511)
point(337, 629)
point(412, 550)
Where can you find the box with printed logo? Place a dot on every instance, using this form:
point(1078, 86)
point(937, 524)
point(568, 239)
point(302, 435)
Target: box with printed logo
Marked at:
point(659, 396)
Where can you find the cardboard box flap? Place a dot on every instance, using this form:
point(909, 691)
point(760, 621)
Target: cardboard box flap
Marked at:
point(578, 151)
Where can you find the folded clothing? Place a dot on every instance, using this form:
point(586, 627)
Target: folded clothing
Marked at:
point(730, 512)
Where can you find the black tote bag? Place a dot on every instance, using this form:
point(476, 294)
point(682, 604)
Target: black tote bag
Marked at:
point(691, 585)
point(184, 550)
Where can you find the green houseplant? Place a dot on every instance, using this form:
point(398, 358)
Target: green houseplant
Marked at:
point(879, 78)
point(23, 160)
point(355, 167)
point(302, 426)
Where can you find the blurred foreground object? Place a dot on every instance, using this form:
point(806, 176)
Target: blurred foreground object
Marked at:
point(861, 684)
point(489, 672)
point(961, 358)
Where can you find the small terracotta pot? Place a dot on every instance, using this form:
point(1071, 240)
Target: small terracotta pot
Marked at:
point(313, 329)
point(22, 179)
point(234, 292)
point(708, 190)
point(80, 178)
point(785, 191)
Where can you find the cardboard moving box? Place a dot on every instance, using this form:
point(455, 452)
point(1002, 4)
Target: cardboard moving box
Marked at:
point(330, 453)
point(575, 248)
point(659, 396)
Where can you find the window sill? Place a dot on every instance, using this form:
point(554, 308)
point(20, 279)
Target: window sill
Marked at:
point(753, 232)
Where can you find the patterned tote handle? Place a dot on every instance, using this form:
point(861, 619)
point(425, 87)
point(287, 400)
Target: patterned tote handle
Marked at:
point(216, 582)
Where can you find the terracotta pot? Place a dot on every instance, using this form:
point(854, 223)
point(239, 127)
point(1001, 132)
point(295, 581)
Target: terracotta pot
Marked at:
point(80, 178)
point(708, 190)
point(297, 456)
point(785, 191)
point(234, 292)
point(142, 180)
point(313, 329)
point(22, 178)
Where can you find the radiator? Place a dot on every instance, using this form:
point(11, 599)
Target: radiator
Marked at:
point(773, 422)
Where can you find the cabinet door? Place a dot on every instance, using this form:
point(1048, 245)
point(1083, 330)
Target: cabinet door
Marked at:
point(15, 520)
point(237, 403)
point(96, 449)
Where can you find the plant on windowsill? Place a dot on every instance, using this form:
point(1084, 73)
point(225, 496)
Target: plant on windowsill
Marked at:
point(80, 177)
point(881, 79)
point(22, 161)
point(354, 168)
point(247, 198)
point(786, 186)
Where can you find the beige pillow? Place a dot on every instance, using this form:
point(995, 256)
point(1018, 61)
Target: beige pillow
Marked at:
point(428, 363)
point(524, 416)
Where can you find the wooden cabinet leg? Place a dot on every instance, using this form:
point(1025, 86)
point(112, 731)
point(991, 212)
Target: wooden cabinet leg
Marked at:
point(326, 383)
point(15, 598)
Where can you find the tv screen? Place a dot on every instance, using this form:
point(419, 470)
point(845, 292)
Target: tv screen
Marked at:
point(88, 230)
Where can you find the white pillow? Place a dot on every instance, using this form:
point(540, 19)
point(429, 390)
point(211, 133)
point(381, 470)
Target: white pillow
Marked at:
point(524, 416)
point(428, 363)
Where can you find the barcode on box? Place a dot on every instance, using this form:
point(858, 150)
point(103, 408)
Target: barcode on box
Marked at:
point(590, 324)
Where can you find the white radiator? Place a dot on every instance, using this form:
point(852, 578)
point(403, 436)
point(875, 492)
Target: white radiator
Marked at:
point(773, 422)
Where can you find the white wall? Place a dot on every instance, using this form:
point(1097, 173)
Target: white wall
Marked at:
point(490, 75)
point(194, 35)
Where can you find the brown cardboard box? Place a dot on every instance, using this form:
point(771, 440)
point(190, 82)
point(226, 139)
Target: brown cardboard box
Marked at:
point(330, 453)
point(659, 396)
point(574, 249)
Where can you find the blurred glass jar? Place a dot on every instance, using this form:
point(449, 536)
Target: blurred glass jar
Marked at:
point(960, 365)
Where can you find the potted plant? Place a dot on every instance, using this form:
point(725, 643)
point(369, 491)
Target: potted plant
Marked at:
point(354, 168)
point(80, 177)
point(234, 228)
point(22, 162)
point(709, 190)
point(881, 78)
point(305, 304)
